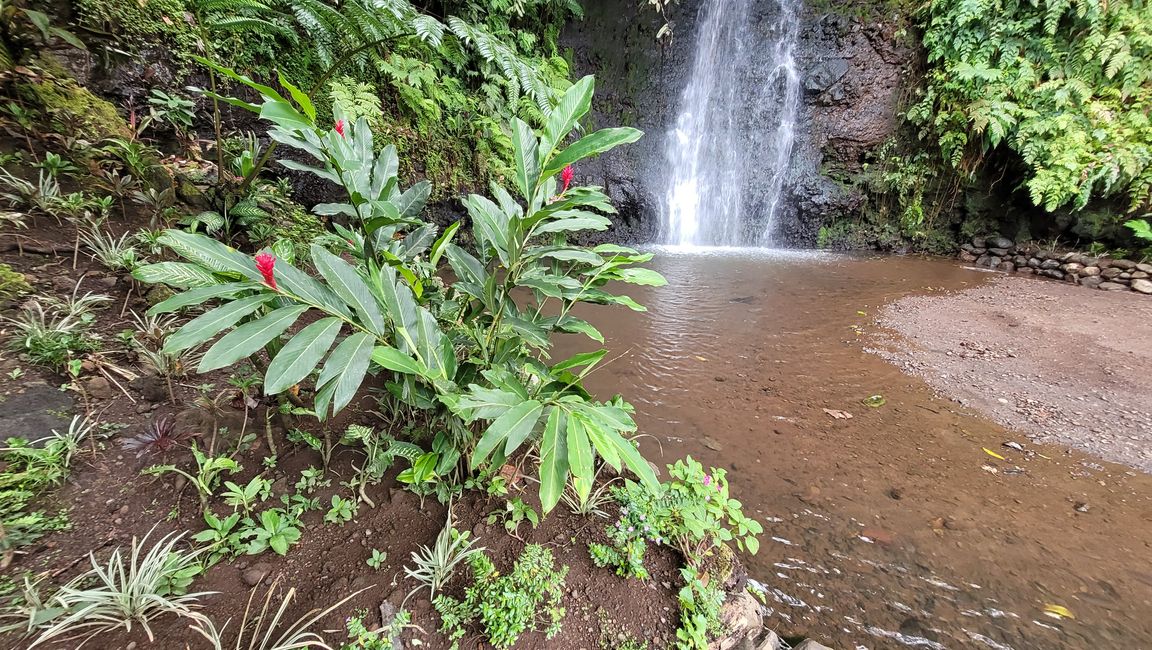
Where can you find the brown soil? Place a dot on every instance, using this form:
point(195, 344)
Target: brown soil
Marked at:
point(109, 503)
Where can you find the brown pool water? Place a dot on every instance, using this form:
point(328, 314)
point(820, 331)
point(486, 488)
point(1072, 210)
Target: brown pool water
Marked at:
point(886, 529)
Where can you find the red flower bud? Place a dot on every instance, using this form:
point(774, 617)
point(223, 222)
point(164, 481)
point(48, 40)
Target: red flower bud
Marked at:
point(340, 127)
point(566, 177)
point(265, 264)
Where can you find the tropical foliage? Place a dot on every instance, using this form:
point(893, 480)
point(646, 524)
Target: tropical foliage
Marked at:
point(471, 355)
point(1064, 84)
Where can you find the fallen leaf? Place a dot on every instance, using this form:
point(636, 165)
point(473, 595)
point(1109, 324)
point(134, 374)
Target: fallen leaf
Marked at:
point(993, 454)
point(1058, 611)
point(700, 358)
point(874, 401)
point(839, 415)
point(861, 313)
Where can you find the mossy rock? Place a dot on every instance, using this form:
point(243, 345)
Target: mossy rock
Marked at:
point(73, 108)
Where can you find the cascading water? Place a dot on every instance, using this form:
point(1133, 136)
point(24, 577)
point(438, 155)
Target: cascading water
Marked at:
point(729, 151)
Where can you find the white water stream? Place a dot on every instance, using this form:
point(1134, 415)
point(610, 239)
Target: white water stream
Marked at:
point(728, 153)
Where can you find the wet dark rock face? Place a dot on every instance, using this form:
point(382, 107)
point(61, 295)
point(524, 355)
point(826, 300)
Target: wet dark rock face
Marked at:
point(854, 72)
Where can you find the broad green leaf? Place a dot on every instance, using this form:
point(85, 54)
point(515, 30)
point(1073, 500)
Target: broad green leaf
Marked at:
point(209, 253)
point(301, 355)
point(553, 460)
point(632, 458)
point(399, 302)
point(182, 275)
point(583, 359)
point(568, 255)
point(345, 370)
point(345, 282)
point(465, 266)
point(301, 98)
point(564, 116)
point(580, 459)
point(591, 145)
point(306, 288)
point(249, 338)
point(646, 277)
point(486, 403)
point(197, 296)
point(282, 114)
point(266, 91)
point(411, 203)
point(525, 151)
point(445, 239)
point(577, 326)
point(599, 438)
point(490, 224)
point(516, 424)
point(393, 359)
point(574, 224)
point(209, 324)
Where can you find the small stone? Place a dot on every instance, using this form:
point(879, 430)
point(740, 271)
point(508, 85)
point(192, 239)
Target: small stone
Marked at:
point(979, 242)
point(770, 641)
point(1001, 242)
point(1089, 271)
point(1071, 267)
point(1141, 275)
point(1112, 286)
point(1006, 266)
point(1053, 273)
point(1050, 264)
point(1110, 273)
point(1146, 268)
point(1124, 265)
point(1143, 286)
point(1035, 262)
point(1080, 506)
point(256, 573)
point(809, 644)
point(97, 387)
point(999, 252)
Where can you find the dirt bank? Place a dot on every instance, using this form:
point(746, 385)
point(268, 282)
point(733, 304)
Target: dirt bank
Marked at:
point(1063, 364)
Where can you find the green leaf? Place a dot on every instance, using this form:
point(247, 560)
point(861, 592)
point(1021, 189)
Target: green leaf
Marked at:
point(553, 460)
point(583, 359)
point(526, 156)
point(249, 338)
point(207, 325)
point(182, 275)
point(345, 370)
point(580, 458)
point(515, 425)
point(486, 403)
point(393, 359)
point(591, 145)
point(197, 296)
point(444, 240)
point(574, 224)
point(347, 283)
point(301, 355)
point(577, 326)
point(209, 253)
point(564, 116)
point(283, 115)
point(301, 98)
point(646, 277)
point(305, 288)
point(490, 224)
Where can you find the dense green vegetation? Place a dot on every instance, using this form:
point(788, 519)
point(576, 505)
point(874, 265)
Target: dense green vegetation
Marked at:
point(1065, 85)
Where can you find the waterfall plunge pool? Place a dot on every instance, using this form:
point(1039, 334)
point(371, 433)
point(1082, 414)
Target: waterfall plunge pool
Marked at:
point(880, 530)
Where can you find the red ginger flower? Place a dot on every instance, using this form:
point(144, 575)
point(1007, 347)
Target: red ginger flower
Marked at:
point(340, 127)
point(265, 264)
point(566, 177)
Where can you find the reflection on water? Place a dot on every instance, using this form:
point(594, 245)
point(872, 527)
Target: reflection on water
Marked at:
point(872, 538)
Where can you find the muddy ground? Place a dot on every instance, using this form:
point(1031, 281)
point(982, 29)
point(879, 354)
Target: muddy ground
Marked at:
point(1050, 359)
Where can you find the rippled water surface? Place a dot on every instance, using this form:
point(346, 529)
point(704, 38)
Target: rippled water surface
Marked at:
point(881, 531)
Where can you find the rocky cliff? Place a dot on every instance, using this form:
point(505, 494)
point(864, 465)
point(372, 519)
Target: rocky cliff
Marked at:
point(854, 75)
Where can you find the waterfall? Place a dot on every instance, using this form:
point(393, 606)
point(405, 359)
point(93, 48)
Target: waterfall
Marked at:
point(728, 153)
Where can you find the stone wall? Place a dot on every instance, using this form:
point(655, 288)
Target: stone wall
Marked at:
point(1085, 269)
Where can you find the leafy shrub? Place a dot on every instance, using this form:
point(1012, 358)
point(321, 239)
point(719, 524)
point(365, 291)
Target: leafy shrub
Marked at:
point(463, 352)
point(1062, 84)
point(53, 332)
point(503, 607)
